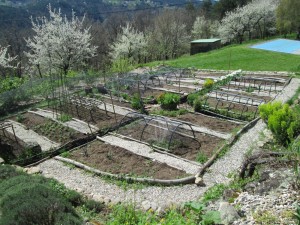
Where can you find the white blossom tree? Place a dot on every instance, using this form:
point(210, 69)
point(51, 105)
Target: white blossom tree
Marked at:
point(5, 58)
point(255, 17)
point(130, 44)
point(205, 28)
point(59, 44)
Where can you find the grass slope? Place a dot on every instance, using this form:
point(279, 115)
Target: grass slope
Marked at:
point(239, 57)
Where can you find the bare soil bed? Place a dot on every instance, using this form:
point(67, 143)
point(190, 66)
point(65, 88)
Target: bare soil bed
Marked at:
point(116, 160)
point(182, 146)
point(212, 123)
point(94, 116)
point(54, 131)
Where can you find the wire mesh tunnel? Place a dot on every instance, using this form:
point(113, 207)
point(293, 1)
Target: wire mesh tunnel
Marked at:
point(230, 101)
point(159, 131)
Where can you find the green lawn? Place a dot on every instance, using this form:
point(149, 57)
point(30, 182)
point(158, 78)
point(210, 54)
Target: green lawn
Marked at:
point(238, 57)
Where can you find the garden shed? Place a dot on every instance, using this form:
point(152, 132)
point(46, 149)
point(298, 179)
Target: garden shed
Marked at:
point(204, 45)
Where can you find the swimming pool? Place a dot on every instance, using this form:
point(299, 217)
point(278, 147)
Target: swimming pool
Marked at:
point(280, 45)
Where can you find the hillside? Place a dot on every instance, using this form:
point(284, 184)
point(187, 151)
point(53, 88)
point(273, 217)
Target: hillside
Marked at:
point(239, 57)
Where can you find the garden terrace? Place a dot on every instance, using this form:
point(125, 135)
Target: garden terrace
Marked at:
point(176, 137)
point(167, 133)
point(120, 161)
point(258, 83)
point(48, 129)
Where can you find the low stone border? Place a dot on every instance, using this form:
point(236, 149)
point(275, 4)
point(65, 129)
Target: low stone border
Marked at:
point(186, 180)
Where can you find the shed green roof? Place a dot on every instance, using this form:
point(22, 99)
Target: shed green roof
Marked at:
point(211, 40)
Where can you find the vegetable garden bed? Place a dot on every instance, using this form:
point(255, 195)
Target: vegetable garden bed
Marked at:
point(116, 160)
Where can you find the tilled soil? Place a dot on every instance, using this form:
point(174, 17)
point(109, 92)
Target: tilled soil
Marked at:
point(116, 160)
point(54, 131)
point(182, 146)
point(209, 122)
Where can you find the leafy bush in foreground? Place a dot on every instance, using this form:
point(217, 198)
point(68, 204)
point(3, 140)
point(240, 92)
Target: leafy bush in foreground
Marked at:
point(28, 199)
point(282, 120)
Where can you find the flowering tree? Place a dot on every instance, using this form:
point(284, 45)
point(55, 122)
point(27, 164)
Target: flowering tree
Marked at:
point(169, 37)
point(204, 28)
point(255, 17)
point(59, 44)
point(5, 59)
point(130, 44)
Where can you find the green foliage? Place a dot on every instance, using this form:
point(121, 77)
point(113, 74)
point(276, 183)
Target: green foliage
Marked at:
point(204, 217)
point(71, 196)
point(30, 152)
point(121, 66)
point(170, 113)
point(20, 118)
point(268, 109)
point(201, 157)
point(297, 214)
point(28, 199)
point(129, 215)
point(198, 105)
point(125, 96)
point(265, 217)
point(7, 171)
point(208, 83)
point(282, 120)
point(10, 83)
point(136, 102)
point(64, 117)
point(169, 101)
point(94, 206)
point(191, 98)
point(241, 55)
point(213, 193)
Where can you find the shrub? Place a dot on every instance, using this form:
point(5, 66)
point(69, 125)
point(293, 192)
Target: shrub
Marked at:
point(197, 105)
point(191, 98)
point(208, 83)
point(136, 102)
point(169, 101)
point(268, 109)
point(94, 205)
point(29, 200)
point(8, 172)
point(283, 121)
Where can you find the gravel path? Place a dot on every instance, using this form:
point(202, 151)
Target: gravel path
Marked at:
point(100, 190)
point(75, 124)
point(235, 156)
point(28, 136)
point(147, 151)
point(156, 197)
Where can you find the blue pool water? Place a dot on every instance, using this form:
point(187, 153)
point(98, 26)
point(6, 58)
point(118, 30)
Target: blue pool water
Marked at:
point(280, 45)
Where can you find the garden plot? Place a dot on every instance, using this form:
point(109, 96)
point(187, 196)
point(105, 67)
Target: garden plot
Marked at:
point(87, 102)
point(211, 123)
point(29, 136)
point(75, 124)
point(44, 127)
point(176, 137)
point(114, 155)
point(233, 108)
point(258, 84)
point(92, 115)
